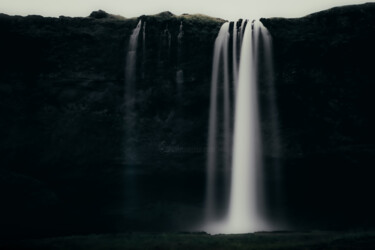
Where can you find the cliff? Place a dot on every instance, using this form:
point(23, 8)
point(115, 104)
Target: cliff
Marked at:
point(324, 82)
point(63, 157)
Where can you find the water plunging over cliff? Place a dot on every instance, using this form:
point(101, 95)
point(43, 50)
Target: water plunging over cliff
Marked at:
point(130, 70)
point(143, 49)
point(180, 72)
point(245, 209)
point(246, 194)
point(130, 99)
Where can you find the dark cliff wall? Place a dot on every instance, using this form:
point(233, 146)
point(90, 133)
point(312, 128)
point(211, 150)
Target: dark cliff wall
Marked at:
point(63, 164)
point(63, 159)
point(325, 82)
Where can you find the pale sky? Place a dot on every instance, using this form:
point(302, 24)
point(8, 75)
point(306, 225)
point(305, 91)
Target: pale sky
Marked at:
point(229, 9)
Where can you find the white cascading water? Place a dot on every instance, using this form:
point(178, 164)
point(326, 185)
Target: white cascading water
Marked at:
point(242, 30)
point(246, 205)
point(244, 209)
point(226, 107)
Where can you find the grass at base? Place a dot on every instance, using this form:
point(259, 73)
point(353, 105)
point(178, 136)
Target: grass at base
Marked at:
point(154, 241)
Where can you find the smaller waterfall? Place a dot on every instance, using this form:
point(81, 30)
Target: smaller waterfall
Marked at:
point(130, 99)
point(180, 72)
point(164, 51)
point(180, 33)
point(130, 70)
point(167, 39)
point(144, 35)
point(143, 50)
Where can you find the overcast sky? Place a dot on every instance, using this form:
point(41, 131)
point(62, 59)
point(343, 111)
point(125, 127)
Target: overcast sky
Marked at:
point(229, 9)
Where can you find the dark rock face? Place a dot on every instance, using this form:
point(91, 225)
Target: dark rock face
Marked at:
point(63, 165)
point(63, 129)
point(325, 83)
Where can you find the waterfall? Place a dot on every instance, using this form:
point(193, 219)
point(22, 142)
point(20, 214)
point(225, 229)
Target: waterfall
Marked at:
point(180, 72)
point(143, 50)
point(164, 51)
point(180, 34)
point(167, 40)
point(130, 99)
point(226, 107)
point(144, 36)
point(245, 211)
point(130, 70)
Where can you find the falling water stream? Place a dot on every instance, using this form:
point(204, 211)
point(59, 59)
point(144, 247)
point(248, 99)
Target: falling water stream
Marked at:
point(180, 72)
point(130, 70)
point(130, 99)
point(245, 211)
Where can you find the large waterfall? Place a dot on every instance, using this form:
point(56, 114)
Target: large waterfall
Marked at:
point(240, 147)
point(244, 214)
